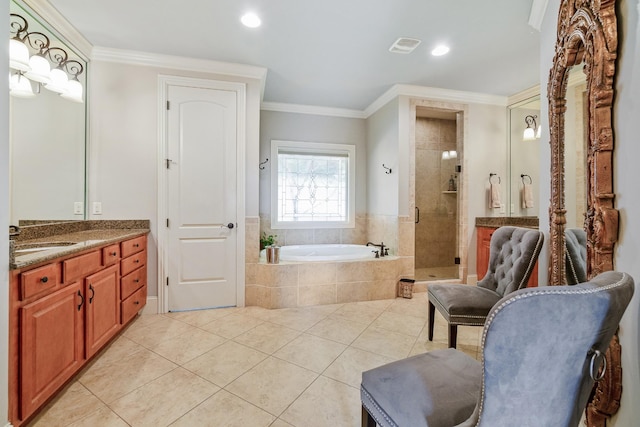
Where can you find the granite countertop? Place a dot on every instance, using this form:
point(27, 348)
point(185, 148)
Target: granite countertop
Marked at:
point(516, 221)
point(76, 236)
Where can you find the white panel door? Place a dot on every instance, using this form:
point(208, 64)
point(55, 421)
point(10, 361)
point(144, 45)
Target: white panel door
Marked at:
point(201, 198)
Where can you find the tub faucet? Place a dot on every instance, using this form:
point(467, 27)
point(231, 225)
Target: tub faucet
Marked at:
point(381, 246)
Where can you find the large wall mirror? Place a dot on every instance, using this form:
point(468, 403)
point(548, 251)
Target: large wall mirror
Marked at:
point(47, 128)
point(582, 137)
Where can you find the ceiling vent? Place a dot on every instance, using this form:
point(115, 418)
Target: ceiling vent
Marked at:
point(404, 45)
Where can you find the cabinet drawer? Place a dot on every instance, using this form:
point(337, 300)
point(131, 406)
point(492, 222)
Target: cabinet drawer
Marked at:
point(133, 262)
point(110, 254)
point(132, 281)
point(81, 266)
point(39, 280)
point(132, 305)
point(134, 245)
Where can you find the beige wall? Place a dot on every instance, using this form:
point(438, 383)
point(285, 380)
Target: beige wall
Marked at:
point(123, 144)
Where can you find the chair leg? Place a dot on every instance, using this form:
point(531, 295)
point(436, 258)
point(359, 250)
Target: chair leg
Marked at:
point(453, 335)
point(432, 315)
point(367, 419)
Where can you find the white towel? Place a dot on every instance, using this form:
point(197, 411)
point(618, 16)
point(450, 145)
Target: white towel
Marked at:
point(494, 193)
point(527, 196)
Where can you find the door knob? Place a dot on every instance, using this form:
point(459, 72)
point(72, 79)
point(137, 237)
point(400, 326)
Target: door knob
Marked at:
point(229, 226)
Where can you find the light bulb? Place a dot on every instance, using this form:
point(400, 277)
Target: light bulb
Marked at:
point(59, 81)
point(40, 69)
point(18, 55)
point(529, 134)
point(20, 86)
point(74, 91)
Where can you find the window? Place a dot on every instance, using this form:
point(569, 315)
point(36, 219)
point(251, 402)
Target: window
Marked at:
point(312, 185)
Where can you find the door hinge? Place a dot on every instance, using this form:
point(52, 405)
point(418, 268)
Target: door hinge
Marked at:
point(167, 222)
point(167, 281)
point(456, 260)
point(168, 105)
point(167, 162)
point(458, 168)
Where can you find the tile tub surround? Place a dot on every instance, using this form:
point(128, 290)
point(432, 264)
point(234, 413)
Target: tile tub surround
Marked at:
point(297, 284)
point(84, 234)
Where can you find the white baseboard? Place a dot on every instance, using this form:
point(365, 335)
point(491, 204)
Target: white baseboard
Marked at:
point(151, 307)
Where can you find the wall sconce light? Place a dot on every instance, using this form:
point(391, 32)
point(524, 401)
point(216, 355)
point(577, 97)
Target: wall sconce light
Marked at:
point(37, 68)
point(532, 130)
point(451, 154)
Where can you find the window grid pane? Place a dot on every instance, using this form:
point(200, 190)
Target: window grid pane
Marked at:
point(312, 187)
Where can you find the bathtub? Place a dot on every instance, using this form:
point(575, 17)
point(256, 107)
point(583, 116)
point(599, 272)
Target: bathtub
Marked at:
point(326, 252)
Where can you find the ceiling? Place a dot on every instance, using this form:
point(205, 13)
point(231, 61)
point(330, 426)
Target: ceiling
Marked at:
point(330, 53)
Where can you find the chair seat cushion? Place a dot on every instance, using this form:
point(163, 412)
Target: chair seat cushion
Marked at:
point(463, 304)
point(435, 389)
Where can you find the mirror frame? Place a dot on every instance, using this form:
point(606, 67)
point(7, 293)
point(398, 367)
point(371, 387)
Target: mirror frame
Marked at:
point(587, 32)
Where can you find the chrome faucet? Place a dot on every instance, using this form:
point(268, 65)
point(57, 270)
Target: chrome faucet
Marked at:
point(383, 251)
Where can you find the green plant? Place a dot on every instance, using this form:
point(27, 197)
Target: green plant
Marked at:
point(269, 240)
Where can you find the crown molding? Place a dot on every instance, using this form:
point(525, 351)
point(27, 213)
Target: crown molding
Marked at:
point(434, 94)
point(536, 15)
point(147, 59)
point(312, 109)
point(61, 26)
point(524, 95)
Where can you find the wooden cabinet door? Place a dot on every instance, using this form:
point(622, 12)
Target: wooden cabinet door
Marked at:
point(102, 312)
point(51, 344)
point(483, 250)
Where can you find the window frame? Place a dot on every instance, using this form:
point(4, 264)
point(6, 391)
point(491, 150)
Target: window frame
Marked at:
point(319, 148)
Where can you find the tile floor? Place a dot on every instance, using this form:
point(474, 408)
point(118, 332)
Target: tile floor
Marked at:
point(247, 366)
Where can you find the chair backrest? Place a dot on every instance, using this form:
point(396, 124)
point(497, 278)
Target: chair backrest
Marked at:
point(575, 240)
point(512, 256)
point(539, 351)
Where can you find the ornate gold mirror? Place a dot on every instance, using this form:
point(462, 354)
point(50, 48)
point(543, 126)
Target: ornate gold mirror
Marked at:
point(587, 34)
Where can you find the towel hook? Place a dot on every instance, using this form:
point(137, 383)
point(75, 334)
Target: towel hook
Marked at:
point(523, 175)
point(388, 170)
point(491, 175)
point(261, 167)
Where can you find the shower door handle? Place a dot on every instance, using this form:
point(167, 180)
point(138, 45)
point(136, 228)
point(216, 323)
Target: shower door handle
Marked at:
point(417, 215)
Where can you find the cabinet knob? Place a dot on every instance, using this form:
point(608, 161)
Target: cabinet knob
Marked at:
point(136, 302)
point(114, 253)
point(45, 279)
point(136, 281)
point(136, 245)
point(136, 261)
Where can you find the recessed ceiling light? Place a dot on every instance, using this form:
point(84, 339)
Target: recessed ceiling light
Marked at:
point(440, 50)
point(251, 20)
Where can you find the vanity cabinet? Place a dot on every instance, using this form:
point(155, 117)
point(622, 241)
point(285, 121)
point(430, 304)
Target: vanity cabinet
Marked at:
point(102, 308)
point(483, 250)
point(51, 344)
point(64, 312)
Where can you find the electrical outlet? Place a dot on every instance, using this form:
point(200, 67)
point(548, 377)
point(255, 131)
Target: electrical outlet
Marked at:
point(502, 211)
point(97, 208)
point(78, 208)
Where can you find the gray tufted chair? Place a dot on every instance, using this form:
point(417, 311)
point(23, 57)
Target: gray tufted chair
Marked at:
point(513, 255)
point(575, 240)
point(541, 349)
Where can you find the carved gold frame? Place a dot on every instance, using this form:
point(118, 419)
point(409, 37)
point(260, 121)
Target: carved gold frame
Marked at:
point(587, 32)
